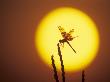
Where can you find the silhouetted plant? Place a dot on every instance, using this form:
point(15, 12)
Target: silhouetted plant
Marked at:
point(62, 67)
point(83, 76)
point(61, 60)
point(54, 68)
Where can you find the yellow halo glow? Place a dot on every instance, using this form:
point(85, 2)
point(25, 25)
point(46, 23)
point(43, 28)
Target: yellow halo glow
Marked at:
point(86, 44)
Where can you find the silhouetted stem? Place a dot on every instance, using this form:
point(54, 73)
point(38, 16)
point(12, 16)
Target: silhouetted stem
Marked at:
point(83, 76)
point(62, 66)
point(54, 68)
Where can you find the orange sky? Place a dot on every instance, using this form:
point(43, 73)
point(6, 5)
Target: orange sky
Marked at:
point(19, 59)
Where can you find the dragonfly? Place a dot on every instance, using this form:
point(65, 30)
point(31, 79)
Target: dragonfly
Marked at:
point(66, 37)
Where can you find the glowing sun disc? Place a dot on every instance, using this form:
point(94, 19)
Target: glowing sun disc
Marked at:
point(86, 44)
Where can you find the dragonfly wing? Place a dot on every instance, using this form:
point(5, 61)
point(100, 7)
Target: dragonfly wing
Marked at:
point(71, 31)
point(71, 46)
point(63, 33)
point(61, 29)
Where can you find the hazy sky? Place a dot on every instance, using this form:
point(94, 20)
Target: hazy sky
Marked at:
point(19, 59)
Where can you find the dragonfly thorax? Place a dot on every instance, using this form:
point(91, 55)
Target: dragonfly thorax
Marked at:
point(67, 36)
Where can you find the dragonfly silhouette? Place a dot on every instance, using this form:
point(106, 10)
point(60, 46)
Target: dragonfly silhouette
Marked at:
point(66, 37)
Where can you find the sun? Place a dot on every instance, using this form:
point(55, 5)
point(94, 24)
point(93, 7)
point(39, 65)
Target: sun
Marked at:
point(86, 44)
